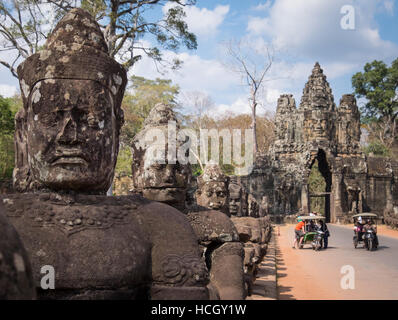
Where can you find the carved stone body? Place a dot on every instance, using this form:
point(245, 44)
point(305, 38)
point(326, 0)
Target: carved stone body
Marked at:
point(67, 140)
point(109, 247)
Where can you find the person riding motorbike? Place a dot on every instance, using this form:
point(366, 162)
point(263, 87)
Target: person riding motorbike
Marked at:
point(371, 226)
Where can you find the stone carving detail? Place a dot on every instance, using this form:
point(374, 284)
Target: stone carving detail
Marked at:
point(52, 210)
point(183, 270)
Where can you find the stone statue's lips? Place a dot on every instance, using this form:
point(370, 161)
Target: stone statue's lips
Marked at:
point(69, 156)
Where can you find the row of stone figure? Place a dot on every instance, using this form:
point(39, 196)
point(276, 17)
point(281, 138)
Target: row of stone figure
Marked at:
point(105, 247)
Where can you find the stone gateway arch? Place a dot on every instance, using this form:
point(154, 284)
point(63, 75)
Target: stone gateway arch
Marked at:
point(319, 130)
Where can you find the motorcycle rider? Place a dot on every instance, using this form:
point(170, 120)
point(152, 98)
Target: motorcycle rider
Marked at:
point(326, 234)
point(371, 226)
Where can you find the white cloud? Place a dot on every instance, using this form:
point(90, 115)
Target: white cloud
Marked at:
point(196, 73)
point(7, 91)
point(263, 6)
point(239, 106)
point(389, 6)
point(202, 21)
point(312, 29)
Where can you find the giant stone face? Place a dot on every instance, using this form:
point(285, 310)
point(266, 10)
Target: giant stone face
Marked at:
point(71, 134)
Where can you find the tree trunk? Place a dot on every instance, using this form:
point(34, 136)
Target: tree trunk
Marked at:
point(254, 127)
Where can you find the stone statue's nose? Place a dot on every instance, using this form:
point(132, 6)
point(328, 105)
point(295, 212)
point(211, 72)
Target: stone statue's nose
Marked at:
point(68, 132)
point(169, 174)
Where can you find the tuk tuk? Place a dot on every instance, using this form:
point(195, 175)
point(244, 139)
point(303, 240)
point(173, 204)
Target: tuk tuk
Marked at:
point(368, 238)
point(312, 235)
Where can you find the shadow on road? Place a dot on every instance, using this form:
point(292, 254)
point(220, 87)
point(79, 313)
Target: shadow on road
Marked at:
point(282, 291)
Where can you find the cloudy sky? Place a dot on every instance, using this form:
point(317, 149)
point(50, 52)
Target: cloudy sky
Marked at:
point(300, 32)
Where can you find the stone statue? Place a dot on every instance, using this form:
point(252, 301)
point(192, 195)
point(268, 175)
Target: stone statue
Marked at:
point(67, 142)
point(216, 234)
point(16, 281)
point(235, 197)
point(212, 189)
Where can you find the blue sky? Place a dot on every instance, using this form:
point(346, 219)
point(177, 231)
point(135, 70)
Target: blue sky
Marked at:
point(301, 32)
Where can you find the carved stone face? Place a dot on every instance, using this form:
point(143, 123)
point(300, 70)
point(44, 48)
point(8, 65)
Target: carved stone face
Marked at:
point(234, 199)
point(71, 137)
point(165, 182)
point(213, 195)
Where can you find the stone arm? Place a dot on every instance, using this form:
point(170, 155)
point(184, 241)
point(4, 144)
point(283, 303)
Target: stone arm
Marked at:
point(224, 253)
point(178, 272)
point(16, 281)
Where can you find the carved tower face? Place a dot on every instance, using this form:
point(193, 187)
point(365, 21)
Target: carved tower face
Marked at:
point(68, 133)
point(72, 134)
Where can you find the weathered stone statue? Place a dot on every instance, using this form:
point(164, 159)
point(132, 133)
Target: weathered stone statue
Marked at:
point(16, 281)
point(235, 197)
point(67, 143)
point(212, 189)
point(169, 183)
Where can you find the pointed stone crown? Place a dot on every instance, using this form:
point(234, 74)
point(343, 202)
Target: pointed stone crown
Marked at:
point(76, 49)
point(212, 173)
point(348, 102)
point(317, 93)
point(160, 115)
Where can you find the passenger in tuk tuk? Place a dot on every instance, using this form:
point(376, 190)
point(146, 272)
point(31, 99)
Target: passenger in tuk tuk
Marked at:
point(358, 229)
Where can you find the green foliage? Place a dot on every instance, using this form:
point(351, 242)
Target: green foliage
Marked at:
point(136, 106)
point(378, 84)
point(123, 164)
point(377, 149)
point(317, 184)
point(146, 94)
point(6, 137)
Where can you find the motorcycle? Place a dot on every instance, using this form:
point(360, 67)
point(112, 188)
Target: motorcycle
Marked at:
point(370, 240)
point(317, 243)
point(368, 237)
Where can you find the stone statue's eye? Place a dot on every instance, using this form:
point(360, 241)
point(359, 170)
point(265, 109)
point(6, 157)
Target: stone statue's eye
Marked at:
point(48, 118)
point(220, 194)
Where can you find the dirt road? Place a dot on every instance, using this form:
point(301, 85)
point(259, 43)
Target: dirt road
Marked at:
point(306, 274)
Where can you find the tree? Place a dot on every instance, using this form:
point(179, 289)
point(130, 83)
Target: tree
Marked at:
point(25, 25)
point(6, 138)
point(379, 85)
point(252, 66)
point(146, 94)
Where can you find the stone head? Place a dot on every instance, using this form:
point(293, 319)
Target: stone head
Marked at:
point(212, 189)
point(68, 131)
point(235, 197)
point(157, 174)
